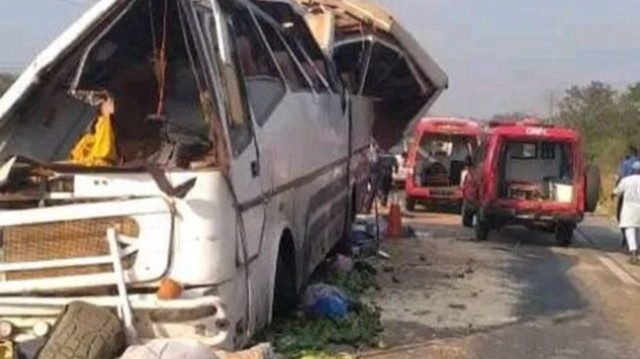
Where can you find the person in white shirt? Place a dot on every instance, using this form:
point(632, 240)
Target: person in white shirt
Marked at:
point(629, 221)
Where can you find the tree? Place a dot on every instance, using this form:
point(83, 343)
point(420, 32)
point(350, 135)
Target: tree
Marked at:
point(608, 120)
point(512, 116)
point(600, 113)
point(5, 82)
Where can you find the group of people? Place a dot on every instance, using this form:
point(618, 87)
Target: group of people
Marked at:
point(628, 205)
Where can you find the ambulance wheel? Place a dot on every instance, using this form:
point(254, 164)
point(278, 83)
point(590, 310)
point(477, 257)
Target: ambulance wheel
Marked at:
point(467, 216)
point(481, 228)
point(564, 235)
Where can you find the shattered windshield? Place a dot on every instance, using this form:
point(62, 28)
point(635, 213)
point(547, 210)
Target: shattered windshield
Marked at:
point(135, 91)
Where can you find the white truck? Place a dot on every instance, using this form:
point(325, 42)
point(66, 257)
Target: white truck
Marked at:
point(241, 130)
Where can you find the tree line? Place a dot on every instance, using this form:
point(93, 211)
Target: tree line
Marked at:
point(5, 81)
point(608, 118)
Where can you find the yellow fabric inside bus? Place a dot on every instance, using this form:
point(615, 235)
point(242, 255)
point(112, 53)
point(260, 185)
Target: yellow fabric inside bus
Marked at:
point(97, 148)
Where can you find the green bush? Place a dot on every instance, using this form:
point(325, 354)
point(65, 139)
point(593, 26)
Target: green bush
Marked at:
point(5, 82)
point(609, 120)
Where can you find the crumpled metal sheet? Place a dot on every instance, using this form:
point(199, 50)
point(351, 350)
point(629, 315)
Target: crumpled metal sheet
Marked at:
point(362, 21)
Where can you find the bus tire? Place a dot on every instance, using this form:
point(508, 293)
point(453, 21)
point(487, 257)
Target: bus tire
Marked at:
point(467, 215)
point(84, 331)
point(344, 245)
point(285, 294)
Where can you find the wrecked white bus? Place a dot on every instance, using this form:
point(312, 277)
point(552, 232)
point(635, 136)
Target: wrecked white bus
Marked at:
point(239, 133)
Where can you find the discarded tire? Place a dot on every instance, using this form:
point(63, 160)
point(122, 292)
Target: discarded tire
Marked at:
point(169, 349)
point(593, 184)
point(84, 331)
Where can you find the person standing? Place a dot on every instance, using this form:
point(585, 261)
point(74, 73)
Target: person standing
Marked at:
point(384, 174)
point(629, 188)
point(624, 170)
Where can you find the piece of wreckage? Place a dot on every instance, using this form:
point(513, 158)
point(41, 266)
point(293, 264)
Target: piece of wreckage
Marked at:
point(379, 59)
point(188, 163)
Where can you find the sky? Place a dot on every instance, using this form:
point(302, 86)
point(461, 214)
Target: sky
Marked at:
point(501, 55)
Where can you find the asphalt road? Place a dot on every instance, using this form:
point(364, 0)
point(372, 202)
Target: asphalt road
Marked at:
point(516, 295)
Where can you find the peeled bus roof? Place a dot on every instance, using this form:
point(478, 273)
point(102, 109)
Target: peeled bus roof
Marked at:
point(359, 11)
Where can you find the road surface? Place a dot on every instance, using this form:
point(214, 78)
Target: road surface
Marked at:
point(517, 295)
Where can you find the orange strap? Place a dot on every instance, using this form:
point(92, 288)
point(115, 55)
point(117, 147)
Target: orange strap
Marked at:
point(162, 61)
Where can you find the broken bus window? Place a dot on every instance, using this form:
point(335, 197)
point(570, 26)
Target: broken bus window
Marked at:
point(289, 66)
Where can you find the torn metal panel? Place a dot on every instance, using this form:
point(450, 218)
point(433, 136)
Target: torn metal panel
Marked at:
point(354, 13)
point(379, 59)
point(322, 26)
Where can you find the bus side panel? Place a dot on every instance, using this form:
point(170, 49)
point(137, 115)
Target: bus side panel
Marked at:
point(362, 116)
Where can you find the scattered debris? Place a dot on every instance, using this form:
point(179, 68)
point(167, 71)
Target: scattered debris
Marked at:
point(260, 351)
point(422, 258)
point(328, 356)
point(387, 269)
point(470, 328)
point(29, 349)
point(458, 306)
point(304, 337)
point(384, 255)
point(423, 234)
point(365, 239)
point(422, 312)
point(169, 349)
point(342, 264)
point(382, 344)
point(395, 279)
point(325, 301)
point(369, 224)
point(408, 232)
point(7, 350)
